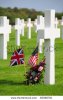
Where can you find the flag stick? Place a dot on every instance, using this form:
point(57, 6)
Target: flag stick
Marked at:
point(38, 57)
point(25, 67)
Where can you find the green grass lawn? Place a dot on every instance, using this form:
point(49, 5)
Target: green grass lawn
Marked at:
point(11, 78)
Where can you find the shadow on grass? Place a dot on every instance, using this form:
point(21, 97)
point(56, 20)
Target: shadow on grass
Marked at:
point(57, 66)
point(6, 82)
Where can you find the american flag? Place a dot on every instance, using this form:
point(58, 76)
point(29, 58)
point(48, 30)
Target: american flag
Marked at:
point(17, 57)
point(33, 58)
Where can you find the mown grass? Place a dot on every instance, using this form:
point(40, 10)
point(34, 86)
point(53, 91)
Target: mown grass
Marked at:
point(11, 78)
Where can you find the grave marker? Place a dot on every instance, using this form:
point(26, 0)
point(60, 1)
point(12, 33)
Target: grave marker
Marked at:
point(29, 25)
point(62, 21)
point(40, 25)
point(40, 22)
point(18, 29)
point(9, 29)
point(35, 25)
point(49, 33)
point(23, 26)
point(56, 22)
point(4, 31)
point(62, 28)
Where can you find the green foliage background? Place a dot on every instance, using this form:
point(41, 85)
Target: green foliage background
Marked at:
point(25, 13)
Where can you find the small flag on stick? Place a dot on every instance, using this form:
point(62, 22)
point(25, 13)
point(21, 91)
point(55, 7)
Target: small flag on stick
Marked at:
point(33, 58)
point(17, 57)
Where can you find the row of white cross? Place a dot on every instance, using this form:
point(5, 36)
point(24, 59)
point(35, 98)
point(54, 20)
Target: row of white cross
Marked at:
point(19, 27)
point(47, 30)
point(38, 24)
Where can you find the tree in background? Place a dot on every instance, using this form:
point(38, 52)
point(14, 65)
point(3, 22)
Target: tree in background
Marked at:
point(24, 13)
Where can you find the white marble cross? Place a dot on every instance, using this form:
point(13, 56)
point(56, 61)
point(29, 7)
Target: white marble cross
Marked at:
point(40, 22)
point(35, 25)
point(23, 26)
point(40, 25)
point(9, 29)
point(56, 22)
point(29, 25)
point(62, 28)
point(62, 21)
point(49, 33)
point(18, 28)
point(5, 29)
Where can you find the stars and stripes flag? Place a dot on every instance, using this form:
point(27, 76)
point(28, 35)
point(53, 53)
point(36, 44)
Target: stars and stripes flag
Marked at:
point(17, 57)
point(33, 58)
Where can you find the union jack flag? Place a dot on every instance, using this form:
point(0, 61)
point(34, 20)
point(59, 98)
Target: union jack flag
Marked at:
point(17, 57)
point(33, 58)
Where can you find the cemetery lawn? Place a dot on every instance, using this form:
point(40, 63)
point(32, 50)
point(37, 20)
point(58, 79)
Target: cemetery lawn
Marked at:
point(11, 78)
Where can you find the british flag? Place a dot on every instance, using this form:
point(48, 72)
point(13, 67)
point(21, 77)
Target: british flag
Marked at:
point(17, 57)
point(33, 58)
